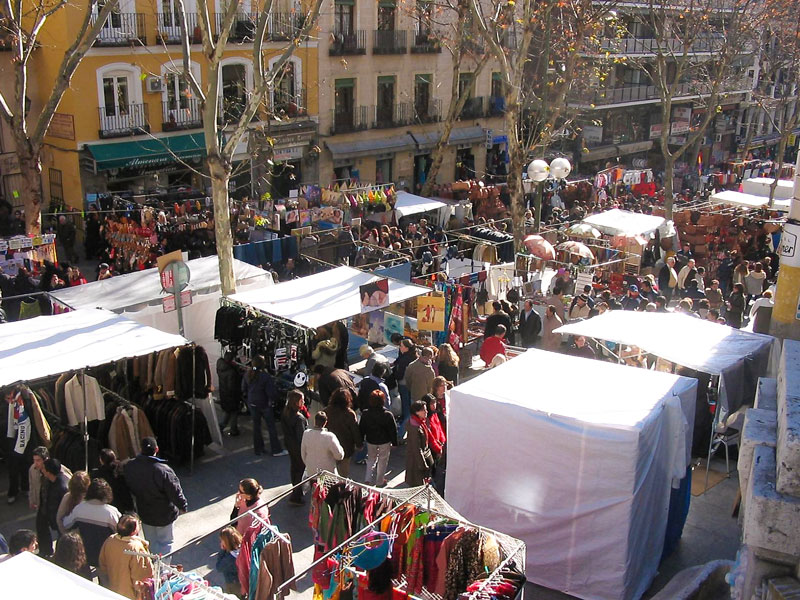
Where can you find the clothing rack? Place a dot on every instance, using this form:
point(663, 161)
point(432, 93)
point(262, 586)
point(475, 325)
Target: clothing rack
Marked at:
point(127, 403)
point(161, 566)
point(225, 301)
point(272, 528)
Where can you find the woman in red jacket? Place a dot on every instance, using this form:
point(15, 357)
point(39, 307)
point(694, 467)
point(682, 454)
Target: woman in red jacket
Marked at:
point(436, 433)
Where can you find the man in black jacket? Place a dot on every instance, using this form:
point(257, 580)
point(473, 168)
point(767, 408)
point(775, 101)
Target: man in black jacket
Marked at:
point(158, 494)
point(530, 324)
point(56, 488)
point(498, 317)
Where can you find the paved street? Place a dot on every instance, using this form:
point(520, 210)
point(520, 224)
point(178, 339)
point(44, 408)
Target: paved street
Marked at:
point(710, 531)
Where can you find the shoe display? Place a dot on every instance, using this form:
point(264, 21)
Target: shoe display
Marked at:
point(281, 453)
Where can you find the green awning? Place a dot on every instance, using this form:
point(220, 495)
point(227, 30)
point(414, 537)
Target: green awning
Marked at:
point(150, 153)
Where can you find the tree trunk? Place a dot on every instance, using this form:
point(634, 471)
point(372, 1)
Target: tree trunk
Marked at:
point(438, 154)
point(669, 172)
point(220, 174)
point(30, 167)
point(749, 134)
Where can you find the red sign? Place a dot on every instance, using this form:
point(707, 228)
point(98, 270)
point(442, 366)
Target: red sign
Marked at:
point(186, 298)
point(167, 279)
point(168, 303)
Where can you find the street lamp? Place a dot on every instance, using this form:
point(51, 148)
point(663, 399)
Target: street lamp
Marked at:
point(538, 172)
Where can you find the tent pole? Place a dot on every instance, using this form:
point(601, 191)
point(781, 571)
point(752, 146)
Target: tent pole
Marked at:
point(194, 408)
point(85, 423)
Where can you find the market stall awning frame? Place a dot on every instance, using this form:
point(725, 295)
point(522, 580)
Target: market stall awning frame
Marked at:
point(46, 346)
point(410, 204)
point(732, 198)
point(624, 222)
point(358, 148)
point(322, 298)
point(147, 153)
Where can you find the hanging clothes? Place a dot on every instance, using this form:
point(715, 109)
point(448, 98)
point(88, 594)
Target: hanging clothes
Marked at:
point(74, 400)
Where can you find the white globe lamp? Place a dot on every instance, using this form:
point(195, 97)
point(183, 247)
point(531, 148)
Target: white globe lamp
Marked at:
point(560, 168)
point(538, 170)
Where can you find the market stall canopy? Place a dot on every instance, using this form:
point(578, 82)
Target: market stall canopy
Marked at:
point(748, 200)
point(123, 292)
point(625, 222)
point(409, 204)
point(694, 343)
point(29, 576)
point(539, 247)
point(324, 297)
point(589, 489)
point(50, 345)
point(576, 248)
point(760, 186)
point(584, 230)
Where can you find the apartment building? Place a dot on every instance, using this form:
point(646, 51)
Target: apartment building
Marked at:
point(384, 88)
point(130, 122)
point(621, 116)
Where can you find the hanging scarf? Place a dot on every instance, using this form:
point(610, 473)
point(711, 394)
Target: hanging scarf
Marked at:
point(19, 424)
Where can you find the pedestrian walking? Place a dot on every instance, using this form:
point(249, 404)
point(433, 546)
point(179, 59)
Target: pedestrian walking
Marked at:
point(551, 341)
point(158, 494)
point(407, 353)
point(120, 570)
point(76, 492)
point(230, 392)
point(230, 542)
point(419, 459)
point(259, 388)
point(70, 554)
point(294, 423)
point(320, 449)
point(54, 492)
point(448, 363)
point(110, 470)
point(379, 429)
point(343, 423)
point(95, 518)
point(736, 305)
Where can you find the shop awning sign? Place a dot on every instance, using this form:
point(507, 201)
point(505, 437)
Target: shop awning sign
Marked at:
point(148, 154)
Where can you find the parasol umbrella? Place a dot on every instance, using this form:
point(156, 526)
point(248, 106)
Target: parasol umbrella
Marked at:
point(576, 248)
point(584, 230)
point(539, 247)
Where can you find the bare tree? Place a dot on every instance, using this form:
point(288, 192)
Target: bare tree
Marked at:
point(699, 52)
point(220, 150)
point(22, 24)
point(545, 63)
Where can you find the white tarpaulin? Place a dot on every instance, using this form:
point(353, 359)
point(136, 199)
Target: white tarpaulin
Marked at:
point(324, 297)
point(760, 186)
point(409, 204)
point(46, 346)
point(134, 291)
point(748, 200)
point(138, 296)
point(28, 576)
point(576, 458)
point(624, 222)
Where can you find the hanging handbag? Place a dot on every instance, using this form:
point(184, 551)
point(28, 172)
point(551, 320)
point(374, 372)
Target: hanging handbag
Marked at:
point(482, 297)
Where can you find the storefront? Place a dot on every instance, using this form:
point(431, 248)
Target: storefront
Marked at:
point(381, 160)
point(143, 166)
point(496, 158)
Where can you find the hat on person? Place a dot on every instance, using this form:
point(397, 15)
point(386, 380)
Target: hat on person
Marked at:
point(583, 297)
point(103, 265)
point(149, 446)
point(633, 288)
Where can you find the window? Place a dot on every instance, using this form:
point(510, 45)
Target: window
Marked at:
point(385, 105)
point(383, 170)
point(115, 94)
point(386, 14)
point(466, 84)
point(288, 95)
point(344, 104)
point(497, 100)
point(423, 84)
point(56, 188)
point(120, 98)
point(236, 81)
point(343, 16)
point(424, 20)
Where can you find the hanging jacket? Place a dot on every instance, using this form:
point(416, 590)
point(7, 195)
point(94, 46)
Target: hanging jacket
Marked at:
point(229, 378)
point(189, 384)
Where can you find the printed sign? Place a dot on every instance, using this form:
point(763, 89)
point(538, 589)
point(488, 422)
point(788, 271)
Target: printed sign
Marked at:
point(430, 313)
point(374, 295)
point(392, 324)
point(788, 248)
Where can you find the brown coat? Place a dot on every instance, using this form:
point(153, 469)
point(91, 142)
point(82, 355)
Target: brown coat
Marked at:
point(343, 423)
point(551, 341)
point(275, 567)
point(120, 571)
point(418, 456)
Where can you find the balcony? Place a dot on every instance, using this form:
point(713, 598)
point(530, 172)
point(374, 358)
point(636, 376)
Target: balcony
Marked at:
point(123, 120)
point(427, 113)
point(348, 121)
point(183, 115)
point(393, 115)
point(169, 29)
point(348, 43)
point(122, 29)
point(243, 28)
point(473, 109)
point(286, 105)
point(497, 106)
point(649, 46)
point(425, 43)
point(282, 27)
point(389, 42)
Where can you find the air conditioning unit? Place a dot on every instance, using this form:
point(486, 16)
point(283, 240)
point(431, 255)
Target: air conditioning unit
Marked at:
point(155, 85)
point(718, 137)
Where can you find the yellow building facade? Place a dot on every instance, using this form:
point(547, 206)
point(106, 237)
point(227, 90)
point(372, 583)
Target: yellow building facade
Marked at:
point(130, 124)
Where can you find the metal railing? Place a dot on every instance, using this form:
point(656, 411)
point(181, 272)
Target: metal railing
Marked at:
point(348, 43)
point(284, 26)
point(168, 30)
point(473, 108)
point(389, 42)
point(285, 104)
point(647, 93)
point(127, 119)
point(356, 119)
point(635, 45)
point(181, 114)
point(425, 42)
point(243, 27)
point(230, 109)
point(496, 106)
point(121, 29)
point(430, 112)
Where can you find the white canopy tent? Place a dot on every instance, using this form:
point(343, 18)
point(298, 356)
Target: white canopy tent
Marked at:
point(46, 346)
point(732, 198)
point(410, 204)
point(760, 186)
point(28, 576)
point(138, 296)
point(694, 343)
point(624, 222)
point(322, 298)
point(590, 451)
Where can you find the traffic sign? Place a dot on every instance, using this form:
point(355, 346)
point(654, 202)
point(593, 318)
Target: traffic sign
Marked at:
point(175, 277)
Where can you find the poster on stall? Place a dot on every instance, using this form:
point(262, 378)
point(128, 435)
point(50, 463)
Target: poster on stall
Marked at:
point(305, 217)
point(392, 324)
point(430, 313)
point(375, 328)
point(374, 295)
